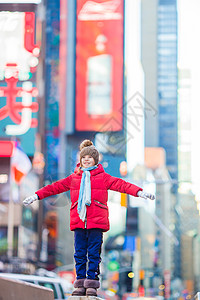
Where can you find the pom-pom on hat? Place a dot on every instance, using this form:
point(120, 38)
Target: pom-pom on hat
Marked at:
point(87, 148)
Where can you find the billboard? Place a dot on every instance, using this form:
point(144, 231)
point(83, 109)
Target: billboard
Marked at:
point(18, 63)
point(19, 54)
point(21, 1)
point(99, 65)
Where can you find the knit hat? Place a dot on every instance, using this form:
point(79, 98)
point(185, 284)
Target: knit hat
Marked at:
point(87, 148)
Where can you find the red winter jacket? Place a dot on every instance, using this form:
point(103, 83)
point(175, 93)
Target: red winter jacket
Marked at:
point(97, 212)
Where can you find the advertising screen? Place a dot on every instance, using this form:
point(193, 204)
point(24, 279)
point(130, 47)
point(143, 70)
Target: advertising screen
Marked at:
point(21, 1)
point(99, 65)
point(18, 63)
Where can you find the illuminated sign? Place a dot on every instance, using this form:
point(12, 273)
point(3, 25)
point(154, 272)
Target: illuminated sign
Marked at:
point(19, 112)
point(107, 10)
point(19, 54)
point(22, 1)
point(99, 65)
point(18, 60)
point(6, 148)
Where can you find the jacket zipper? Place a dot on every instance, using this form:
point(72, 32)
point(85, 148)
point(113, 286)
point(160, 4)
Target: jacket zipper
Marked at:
point(99, 202)
point(75, 202)
point(86, 220)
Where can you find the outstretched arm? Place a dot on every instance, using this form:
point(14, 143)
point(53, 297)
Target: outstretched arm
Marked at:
point(122, 186)
point(55, 188)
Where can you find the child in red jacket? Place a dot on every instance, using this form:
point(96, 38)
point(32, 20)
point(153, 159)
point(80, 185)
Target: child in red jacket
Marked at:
point(88, 185)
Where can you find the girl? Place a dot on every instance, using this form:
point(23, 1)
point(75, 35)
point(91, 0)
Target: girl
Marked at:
point(88, 185)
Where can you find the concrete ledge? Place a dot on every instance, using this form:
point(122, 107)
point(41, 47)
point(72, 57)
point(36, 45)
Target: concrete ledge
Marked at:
point(84, 298)
point(197, 296)
point(17, 290)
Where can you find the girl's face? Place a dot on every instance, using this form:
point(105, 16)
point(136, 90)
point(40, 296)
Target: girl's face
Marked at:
point(87, 161)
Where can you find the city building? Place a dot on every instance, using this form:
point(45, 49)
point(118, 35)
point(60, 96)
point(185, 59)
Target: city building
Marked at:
point(159, 61)
point(188, 145)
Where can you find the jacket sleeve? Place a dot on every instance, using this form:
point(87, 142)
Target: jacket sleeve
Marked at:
point(60, 186)
point(120, 185)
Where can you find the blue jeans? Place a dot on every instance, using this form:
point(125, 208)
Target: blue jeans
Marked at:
point(87, 243)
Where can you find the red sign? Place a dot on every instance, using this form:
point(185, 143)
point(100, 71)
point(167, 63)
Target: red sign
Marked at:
point(141, 291)
point(99, 65)
point(6, 148)
point(18, 59)
point(19, 112)
point(167, 281)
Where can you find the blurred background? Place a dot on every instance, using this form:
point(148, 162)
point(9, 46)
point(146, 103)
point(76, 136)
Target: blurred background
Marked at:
point(125, 74)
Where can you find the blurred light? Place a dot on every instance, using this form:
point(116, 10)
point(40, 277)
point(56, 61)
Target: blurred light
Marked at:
point(36, 51)
point(120, 240)
point(141, 291)
point(110, 292)
point(142, 274)
point(24, 76)
point(33, 62)
point(123, 168)
point(123, 200)
point(3, 178)
point(131, 274)
point(161, 287)
point(172, 227)
point(27, 86)
point(8, 73)
point(35, 92)
point(113, 265)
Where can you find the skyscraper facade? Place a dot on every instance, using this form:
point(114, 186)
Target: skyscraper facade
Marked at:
point(167, 82)
point(159, 60)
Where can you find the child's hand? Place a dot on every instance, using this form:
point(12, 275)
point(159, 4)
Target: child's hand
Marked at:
point(145, 195)
point(30, 199)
